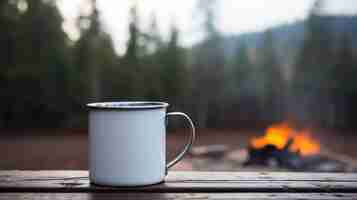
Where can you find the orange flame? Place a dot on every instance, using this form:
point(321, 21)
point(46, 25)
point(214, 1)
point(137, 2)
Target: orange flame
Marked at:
point(279, 135)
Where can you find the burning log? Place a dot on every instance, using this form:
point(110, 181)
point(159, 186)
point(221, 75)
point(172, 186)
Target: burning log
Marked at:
point(280, 135)
point(272, 156)
point(284, 147)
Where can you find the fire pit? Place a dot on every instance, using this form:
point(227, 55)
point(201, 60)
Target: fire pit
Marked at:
point(280, 148)
point(285, 147)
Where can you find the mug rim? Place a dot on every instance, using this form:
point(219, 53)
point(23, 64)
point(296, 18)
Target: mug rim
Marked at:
point(127, 105)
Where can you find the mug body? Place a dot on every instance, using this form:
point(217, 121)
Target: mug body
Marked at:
point(127, 144)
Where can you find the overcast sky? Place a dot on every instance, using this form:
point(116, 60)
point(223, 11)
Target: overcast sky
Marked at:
point(233, 16)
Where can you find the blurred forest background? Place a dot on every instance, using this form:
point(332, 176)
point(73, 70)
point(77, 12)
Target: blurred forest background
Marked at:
point(304, 71)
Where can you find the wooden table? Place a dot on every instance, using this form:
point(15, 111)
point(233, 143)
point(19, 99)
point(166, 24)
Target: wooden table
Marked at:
point(182, 185)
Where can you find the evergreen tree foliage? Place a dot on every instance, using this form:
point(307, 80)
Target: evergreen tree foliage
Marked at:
point(95, 57)
point(39, 64)
point(208, 68)
point(238, 74)
point(173, 73)
point(311, 82)
point(131, 59)
point(272, 80)
point(343, 88)
point(46, 78)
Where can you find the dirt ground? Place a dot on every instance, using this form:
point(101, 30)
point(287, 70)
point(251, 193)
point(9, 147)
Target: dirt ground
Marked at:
point(67, 149)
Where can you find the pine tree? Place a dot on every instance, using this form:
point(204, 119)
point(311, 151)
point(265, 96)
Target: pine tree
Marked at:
point(343, 74)
point(343, 88)
point(310, 84)
point(131, 59)
point(153, 37)
point(272, 79)
point(153, 49)
point(41, 67)
point(208, 69)
point(173, 70)
point(9, 15)
point(95, 58)
point(132, 52)
point(239, 71)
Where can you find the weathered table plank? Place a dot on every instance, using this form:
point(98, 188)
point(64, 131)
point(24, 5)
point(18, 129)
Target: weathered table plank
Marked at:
point(184, 182)
point(192, 175)
point(179, 196)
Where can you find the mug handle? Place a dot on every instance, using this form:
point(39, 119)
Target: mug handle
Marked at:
point(190, 141)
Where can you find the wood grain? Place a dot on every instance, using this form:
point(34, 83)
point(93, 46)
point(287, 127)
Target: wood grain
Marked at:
point(179, 196)
point(184, 182)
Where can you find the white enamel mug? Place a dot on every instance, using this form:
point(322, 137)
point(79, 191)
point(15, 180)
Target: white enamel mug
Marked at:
point(127, 143)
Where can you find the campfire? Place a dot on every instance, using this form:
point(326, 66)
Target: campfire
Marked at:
point(284, 136)
point(283, 146)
